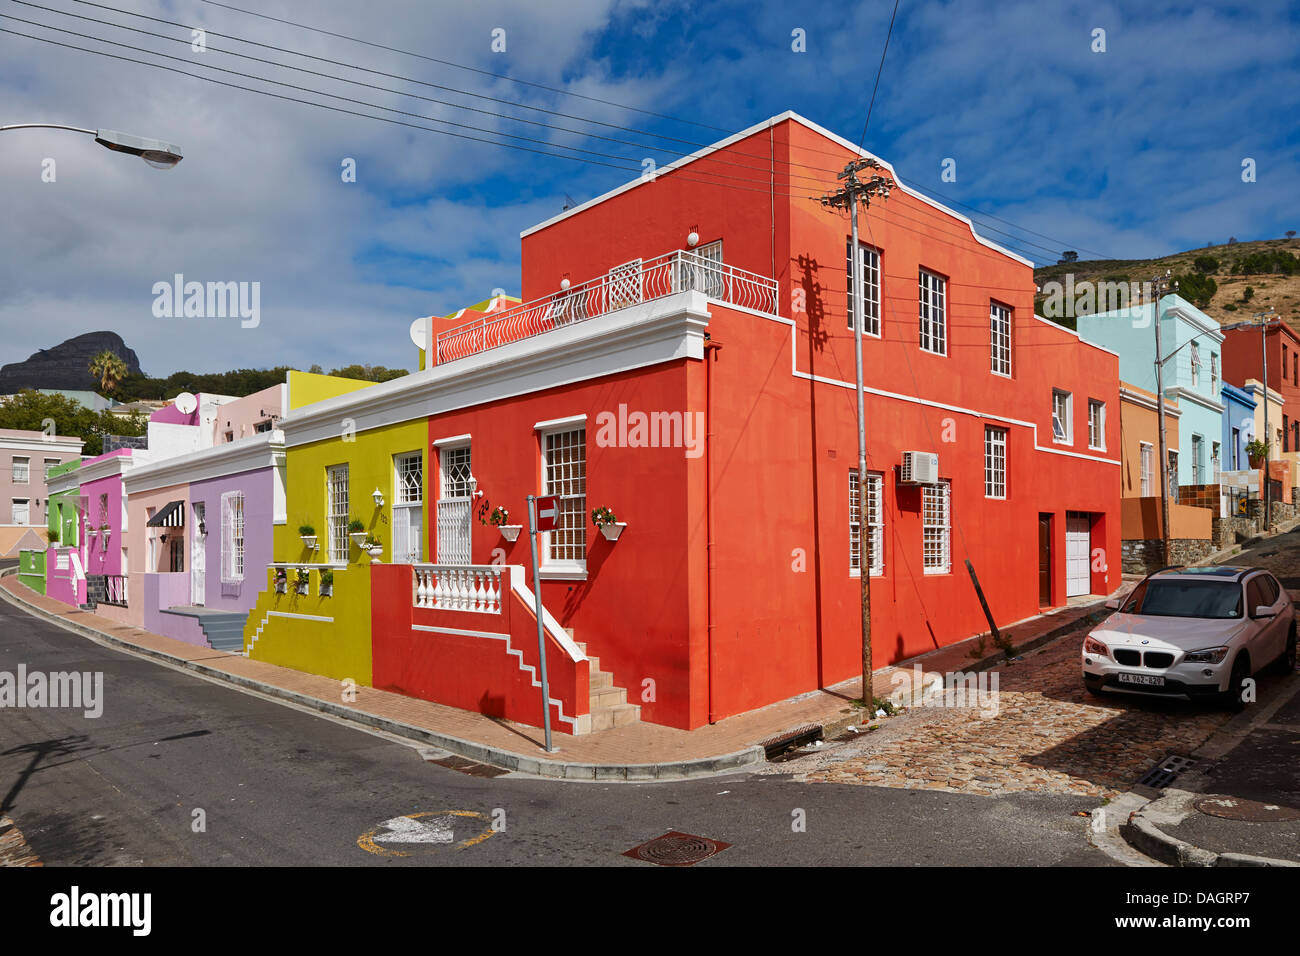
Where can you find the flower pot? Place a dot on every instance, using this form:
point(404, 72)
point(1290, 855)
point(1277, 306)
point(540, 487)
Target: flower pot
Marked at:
point(1256, 461)
point(359, 538)
point(374, 551)
point(612, 531)
point(510, 531)
point(309, 541)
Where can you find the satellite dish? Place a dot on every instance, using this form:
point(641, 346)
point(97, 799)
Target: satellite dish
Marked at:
point(419, 329)
point(186, 403)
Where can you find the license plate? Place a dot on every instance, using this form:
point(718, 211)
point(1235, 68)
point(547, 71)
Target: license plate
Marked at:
point(1147, 679)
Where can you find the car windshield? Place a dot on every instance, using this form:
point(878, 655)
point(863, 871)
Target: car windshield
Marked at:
point(1167, 597)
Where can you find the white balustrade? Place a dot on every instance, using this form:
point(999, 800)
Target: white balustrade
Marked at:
point(458, 587)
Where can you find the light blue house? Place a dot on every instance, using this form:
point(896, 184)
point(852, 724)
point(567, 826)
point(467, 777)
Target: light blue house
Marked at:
point(1192, 346)
point(1238, 426)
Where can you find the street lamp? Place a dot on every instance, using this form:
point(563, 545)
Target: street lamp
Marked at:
point(155, 152)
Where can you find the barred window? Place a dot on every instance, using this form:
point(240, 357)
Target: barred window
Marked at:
point(995, 462)
point(936, 528)
point(564, 473)
point(22, 470)
point(870, 262)
point(408, 507)
point(934, 314)
point(1000, 338)
point(875, 522)
point(232, 537)
point(336, 508)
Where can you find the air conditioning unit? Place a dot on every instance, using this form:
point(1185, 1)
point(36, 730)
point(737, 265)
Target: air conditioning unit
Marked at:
point(920, 468)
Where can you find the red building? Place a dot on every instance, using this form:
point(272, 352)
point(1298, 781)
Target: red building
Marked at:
point(1243, 358)
point(683, 355)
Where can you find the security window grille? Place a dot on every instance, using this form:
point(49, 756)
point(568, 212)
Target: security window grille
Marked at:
point(21, 513)
point(875, 522)
point(1062, 424)
point(995, 462)
point(1000, 338)
point(22, 470)
point(564, 472)
point(1096, 424)
point(1146, 469)
point(336, 491)
point(455, 504)
point(934, 314)
point(623, 285)
point(936, 528)
point(408, 507)
point(232, 537)
point(869, 259)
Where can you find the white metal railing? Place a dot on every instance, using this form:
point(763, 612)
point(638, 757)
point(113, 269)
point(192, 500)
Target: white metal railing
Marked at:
point(115, 590)
point(678, 271)
point(458, 587)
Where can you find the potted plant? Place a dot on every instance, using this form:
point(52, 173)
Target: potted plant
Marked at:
point(308, 535)
point(357, 532)
point(326, 583)
point(373, 546)
point(500, 518)
point(281, 580)
point(1257, 451)
point(609, 525)
point(302, 581)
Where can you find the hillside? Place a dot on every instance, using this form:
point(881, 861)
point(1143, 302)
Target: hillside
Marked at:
point(1228, 303)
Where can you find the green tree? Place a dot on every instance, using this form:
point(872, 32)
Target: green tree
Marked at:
point(1206, 265)
point(30, 410)
point(1197, 289)
point(109, 368)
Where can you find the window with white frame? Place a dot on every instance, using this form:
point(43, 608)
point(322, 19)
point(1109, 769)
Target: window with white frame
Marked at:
point(1198, 460)
point(564, 473)
point(455, 504)
point(875, 522)
point(1145, 457)
point(934, 313)
point(869, 260)
point(623, 285)
point(232, 537)
point(995, 462)
point(1096, 424)
point(336, 511)
point(21, 512)
point(936, 528)
point(22, 471)
point(1196, 365)
point(408, 507)
point(50, 465)
point(1000, 338)
point(1062, 417)
point(1214, 372)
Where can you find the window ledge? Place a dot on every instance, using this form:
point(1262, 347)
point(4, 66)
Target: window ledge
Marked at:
point(562, 574)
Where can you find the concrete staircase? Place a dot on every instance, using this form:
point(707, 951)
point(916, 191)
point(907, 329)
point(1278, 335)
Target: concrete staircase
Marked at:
point(609, 706)
point(224, 630)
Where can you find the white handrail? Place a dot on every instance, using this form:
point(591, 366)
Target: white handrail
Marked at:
point(458, 587)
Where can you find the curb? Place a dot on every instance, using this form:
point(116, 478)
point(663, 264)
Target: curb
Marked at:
point(1095, 616)
point(504, 759)
point(1142, 833)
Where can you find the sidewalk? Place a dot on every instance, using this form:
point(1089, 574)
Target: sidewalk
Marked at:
point(640, 751)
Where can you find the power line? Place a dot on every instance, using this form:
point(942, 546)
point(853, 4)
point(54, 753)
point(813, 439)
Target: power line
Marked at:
point(879, 69)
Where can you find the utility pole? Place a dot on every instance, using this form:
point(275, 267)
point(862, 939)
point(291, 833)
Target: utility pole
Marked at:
point(1162, 285)
point(853, 192)
point(1262, 317)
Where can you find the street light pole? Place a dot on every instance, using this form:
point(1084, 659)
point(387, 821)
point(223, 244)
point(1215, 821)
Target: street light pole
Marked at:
point(1161, 286)
point(155, 152)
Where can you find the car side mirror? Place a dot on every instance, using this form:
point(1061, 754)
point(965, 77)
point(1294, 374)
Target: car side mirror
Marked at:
point(1112, 604)
point(1264, 611)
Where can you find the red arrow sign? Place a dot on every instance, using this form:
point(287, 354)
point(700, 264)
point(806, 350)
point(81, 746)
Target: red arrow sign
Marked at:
point(548, 512)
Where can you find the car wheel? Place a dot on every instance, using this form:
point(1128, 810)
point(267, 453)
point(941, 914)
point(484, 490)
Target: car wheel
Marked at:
point(1240, 673)
point(1286, 662)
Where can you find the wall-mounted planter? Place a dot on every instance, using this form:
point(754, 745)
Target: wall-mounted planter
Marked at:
point(510, 531)
point(612, 531)
point(309, 541)
point(359, 538)
point(281, 584)
point(374, 551)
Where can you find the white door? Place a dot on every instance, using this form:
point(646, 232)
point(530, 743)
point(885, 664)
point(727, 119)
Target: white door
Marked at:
point(1077, 539)
point(198, 563)
point(22, 511)
point(455, 504)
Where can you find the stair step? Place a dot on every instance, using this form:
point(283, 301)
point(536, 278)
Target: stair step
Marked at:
point(620, 715)
point(608, 697)
point(595, 664)
point(599, 679)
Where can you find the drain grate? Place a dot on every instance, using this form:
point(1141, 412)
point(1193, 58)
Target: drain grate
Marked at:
point(1167, 771)
point(1249, 811)
point(468, 767)
point(676, 849)
point(790, 740)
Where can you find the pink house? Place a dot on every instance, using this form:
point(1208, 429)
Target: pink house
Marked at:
point(26, 458)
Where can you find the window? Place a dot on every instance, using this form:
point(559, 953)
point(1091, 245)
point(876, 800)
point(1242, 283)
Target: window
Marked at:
point(936, 531)
point(934, 316)
point(408, 507)
point(1198, 460)
point(1234, 453)
point(995, 462)
point(1000, 338)
point(870, 261)
point(1214, 372)
point(1196, 365)
point(875, 523)
point(1145, 457)
point(1295, 369)
point(1286, 434)
point(175, 553)
point(701, 269)
point(1171, 476)
point(336, 511)
point(623, 285)
point(1096, 424)
point(232, 537)
point(151, 541)
point(265, 426)
point(1062, 417)
point(229, 436)
point(22, 470)
point(1214, 461)
point(455, 504)
point(50, 464)
point(564, 473)
point(21, 511)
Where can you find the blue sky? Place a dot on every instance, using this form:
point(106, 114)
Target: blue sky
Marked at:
point(1133, 152)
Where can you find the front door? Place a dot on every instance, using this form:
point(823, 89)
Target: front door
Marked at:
point(455, 504)
point(1078, 531)
point(198, 564)
point(1044, 560)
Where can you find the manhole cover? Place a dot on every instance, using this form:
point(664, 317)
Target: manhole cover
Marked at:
point(1166, 771)
point(1250, 811)
point(676, 849)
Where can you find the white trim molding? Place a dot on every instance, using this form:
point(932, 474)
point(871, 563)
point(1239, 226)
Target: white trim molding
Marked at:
point(453, 441)
point(256, 452)
point(560, 423)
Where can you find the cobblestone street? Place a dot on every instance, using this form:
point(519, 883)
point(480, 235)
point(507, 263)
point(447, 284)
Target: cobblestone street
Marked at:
point(1048, 736)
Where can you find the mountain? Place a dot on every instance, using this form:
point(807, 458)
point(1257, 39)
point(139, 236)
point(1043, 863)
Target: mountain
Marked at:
point(66, 365)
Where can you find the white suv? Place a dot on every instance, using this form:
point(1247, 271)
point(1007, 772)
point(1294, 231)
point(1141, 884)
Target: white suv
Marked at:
point(1192, 632)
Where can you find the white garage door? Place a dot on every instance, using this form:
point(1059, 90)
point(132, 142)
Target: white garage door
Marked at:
point(1077, 533)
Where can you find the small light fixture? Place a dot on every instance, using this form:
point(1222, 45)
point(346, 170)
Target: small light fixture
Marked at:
point(693, 239)
point(564, 284)
point(379, 498)
point(473, 487)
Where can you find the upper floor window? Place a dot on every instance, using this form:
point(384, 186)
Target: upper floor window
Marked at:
point(1062, 417)
point(1214, 372)
point(1196, 365)
point(1000, 339)
point(870, 261)
point(995, 462)
point(22, 470)
point(50, 465)
point(934, 313)
point(1096, 424)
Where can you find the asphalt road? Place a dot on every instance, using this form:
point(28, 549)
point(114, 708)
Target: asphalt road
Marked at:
point(281, 786)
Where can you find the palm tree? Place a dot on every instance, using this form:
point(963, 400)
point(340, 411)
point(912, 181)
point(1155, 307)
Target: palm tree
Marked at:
point(109, 369)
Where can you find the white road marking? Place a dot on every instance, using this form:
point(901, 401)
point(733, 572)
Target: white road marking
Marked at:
point(406, 830)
